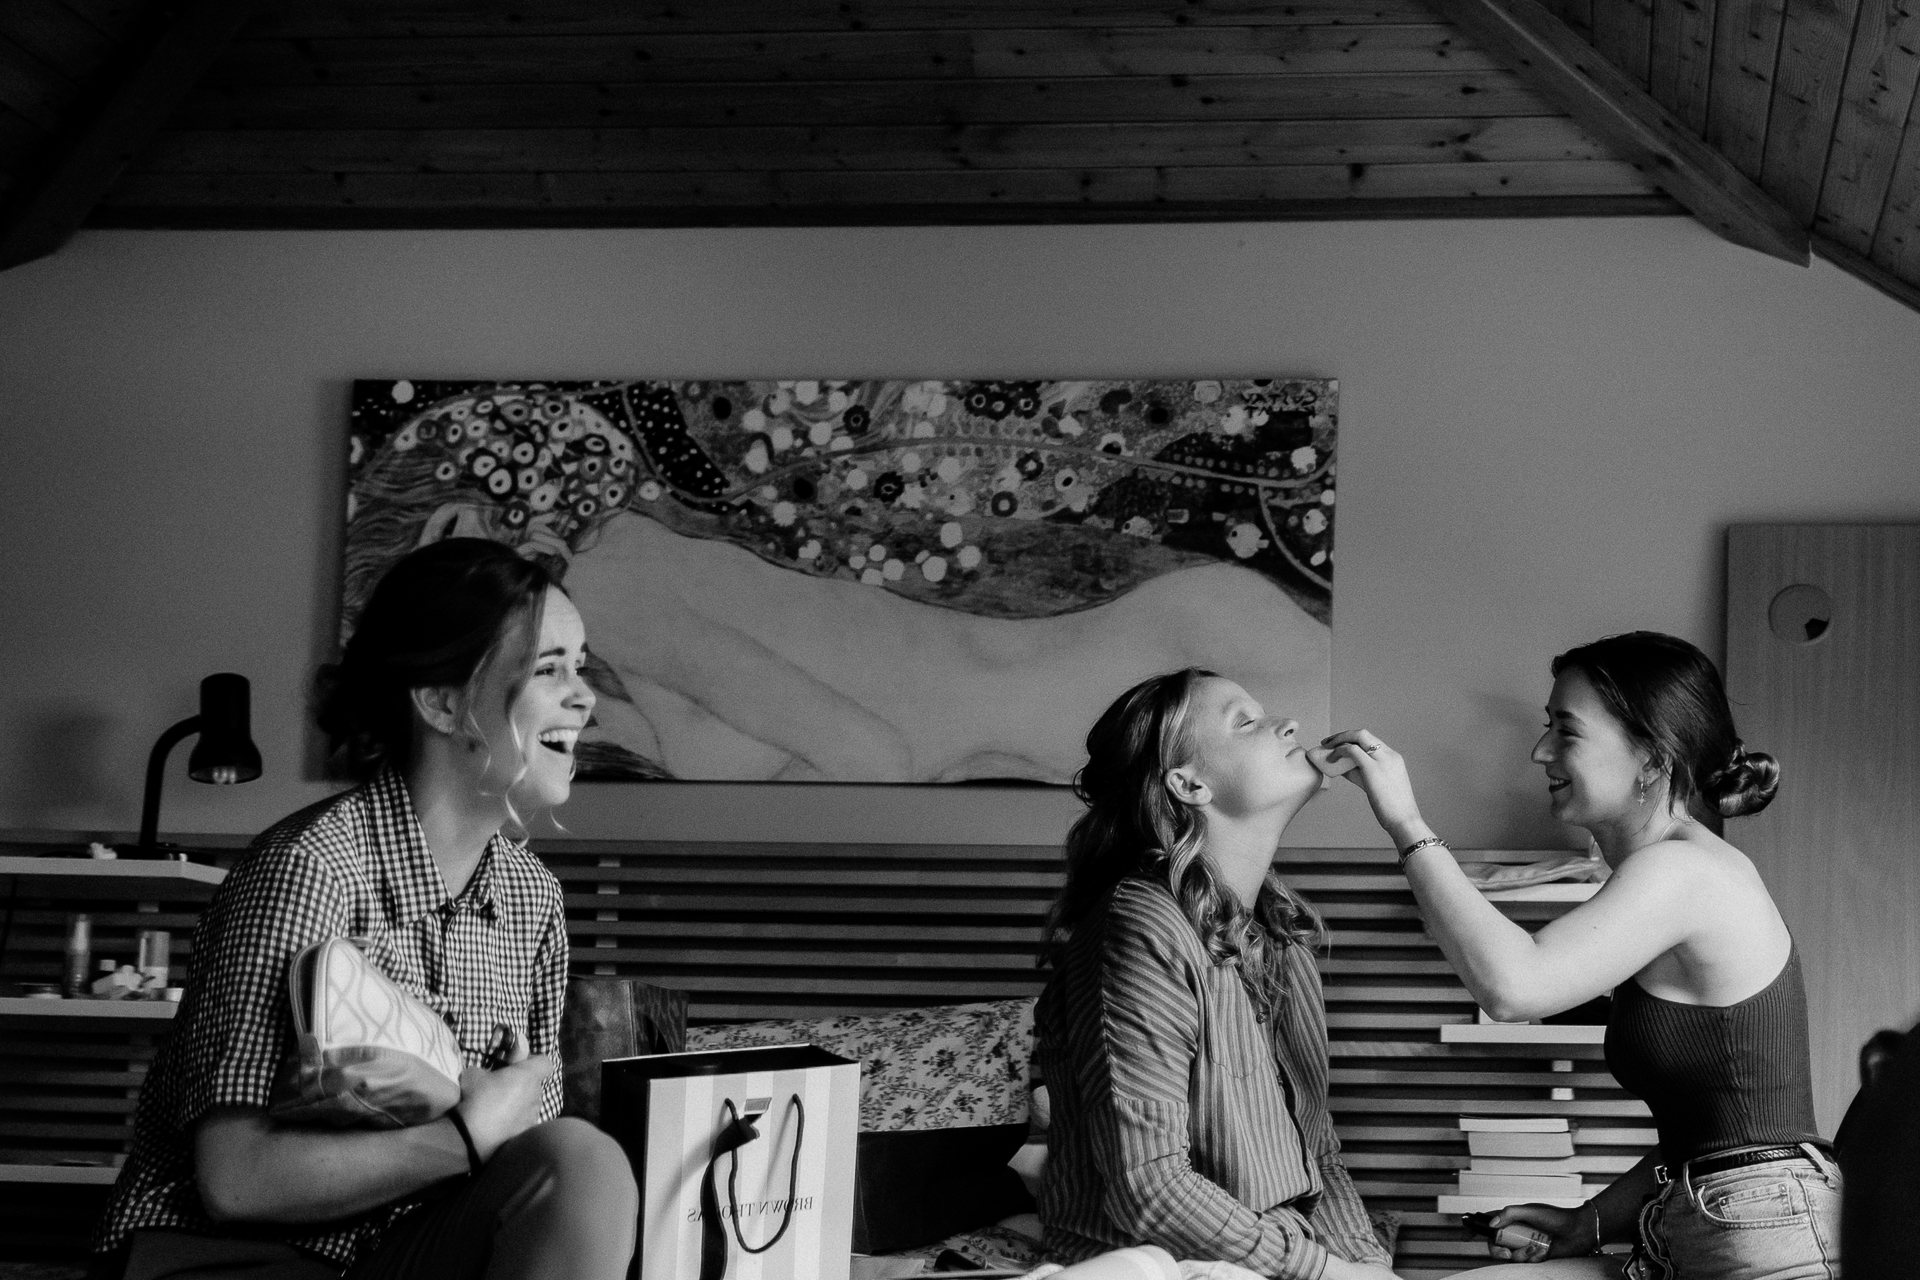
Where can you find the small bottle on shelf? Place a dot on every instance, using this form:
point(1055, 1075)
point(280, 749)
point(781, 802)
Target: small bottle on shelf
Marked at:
point(76, 974)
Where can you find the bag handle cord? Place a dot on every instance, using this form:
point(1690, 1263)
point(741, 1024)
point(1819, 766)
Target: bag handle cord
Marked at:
point(737, 1133)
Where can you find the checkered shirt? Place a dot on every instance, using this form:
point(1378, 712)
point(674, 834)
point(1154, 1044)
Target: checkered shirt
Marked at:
point(354, 866)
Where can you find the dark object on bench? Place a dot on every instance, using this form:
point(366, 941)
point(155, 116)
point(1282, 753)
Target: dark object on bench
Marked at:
point(919, 1186)
point(1879, 1146)
point(614, 1018)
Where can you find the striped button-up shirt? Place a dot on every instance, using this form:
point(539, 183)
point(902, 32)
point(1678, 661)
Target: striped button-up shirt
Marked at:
point(1180, 1118)
point(354, 866)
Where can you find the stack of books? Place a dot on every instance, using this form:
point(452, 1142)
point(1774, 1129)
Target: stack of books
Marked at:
point(1516, 1160)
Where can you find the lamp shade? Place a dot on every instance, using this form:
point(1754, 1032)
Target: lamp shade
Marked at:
point(225, 750)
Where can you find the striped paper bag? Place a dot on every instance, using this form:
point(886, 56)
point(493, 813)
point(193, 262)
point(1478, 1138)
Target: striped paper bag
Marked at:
point(744, 1158)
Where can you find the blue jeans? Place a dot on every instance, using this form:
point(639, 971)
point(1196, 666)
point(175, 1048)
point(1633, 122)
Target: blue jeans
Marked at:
point(1773, 1221)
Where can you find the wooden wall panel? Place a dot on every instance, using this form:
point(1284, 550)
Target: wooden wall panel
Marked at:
point(1837, 846)
point(321, 19)
point(1808, 75)
point(470, 93)
point(730, 58)
point(1623, 33)
point(57, 36)
point(1680, 66)
point(16, 131)
point(1883, 69)
point(1093, 100)
point(1746, 44)
point(113, 18)
point(1577, 14)
point(902, 149)
point(30, 89)
point(1296, 118)
point(1896, 238)
point(937, 195)
point(434, 113)
point(49, 52)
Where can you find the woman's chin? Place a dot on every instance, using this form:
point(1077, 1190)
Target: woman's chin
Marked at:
point(544, 789)
point(1302, 790)
point(1561, 806)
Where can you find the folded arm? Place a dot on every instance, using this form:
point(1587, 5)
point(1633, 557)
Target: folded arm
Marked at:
point(236, 1024)
point(249, 1169)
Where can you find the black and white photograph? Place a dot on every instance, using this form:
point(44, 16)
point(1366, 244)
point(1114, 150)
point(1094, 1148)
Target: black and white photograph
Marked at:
point(705, 640)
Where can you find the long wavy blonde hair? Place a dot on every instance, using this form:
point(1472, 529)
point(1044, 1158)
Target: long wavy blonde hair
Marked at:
point(1133, 827)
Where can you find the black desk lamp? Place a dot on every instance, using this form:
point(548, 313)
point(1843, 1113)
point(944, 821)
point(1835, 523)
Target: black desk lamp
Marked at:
point(224, 754)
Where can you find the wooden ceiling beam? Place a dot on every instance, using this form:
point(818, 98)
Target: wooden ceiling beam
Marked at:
point(1864, 268)
point(107, 129)
point(467, 214)
point(1545, 52)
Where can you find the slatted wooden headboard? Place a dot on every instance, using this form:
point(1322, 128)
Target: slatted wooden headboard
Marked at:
point(809, 930)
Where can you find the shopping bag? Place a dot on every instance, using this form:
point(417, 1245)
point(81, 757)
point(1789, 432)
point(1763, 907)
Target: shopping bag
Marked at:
point(744, 1159)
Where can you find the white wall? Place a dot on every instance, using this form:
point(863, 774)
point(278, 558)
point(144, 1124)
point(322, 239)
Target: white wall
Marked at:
point(1545, 428)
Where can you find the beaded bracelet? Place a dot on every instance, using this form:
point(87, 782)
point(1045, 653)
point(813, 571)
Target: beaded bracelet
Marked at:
point(1418, 845)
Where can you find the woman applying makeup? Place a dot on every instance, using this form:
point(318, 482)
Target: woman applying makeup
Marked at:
point(1708, 1020)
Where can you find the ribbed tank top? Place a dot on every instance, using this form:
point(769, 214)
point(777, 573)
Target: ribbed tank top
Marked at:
point(1717, 1076)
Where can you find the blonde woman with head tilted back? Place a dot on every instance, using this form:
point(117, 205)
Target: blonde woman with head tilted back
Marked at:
point(458, 702)
point(1183, 1037)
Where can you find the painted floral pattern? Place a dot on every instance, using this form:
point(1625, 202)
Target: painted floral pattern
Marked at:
point(1000, 500)
point(936, 1068)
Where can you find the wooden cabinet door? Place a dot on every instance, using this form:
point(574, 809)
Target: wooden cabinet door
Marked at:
point(1837, 700)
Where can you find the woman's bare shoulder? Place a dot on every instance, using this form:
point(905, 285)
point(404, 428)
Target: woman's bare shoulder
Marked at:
point(1736, 940)
point(1677, 861)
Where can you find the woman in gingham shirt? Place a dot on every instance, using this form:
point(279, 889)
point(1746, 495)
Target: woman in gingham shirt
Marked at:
point(459, 699)
point(1183, 1036)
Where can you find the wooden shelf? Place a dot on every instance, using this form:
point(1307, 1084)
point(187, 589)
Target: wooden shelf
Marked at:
point(1450, 1204)
point(1530, 1034)
point(1560, 891)
point(150, 878)
point(90, 1175)
point(52, 1012)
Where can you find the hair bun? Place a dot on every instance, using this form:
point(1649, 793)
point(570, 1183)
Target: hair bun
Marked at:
point(1745, 785)
point(350, 718)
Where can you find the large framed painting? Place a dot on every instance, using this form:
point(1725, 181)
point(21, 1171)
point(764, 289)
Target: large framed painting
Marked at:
point(877, 581)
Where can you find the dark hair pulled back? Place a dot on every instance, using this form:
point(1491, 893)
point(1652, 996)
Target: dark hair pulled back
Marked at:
point(433, 621)
point(1669, 698)
point(1133, 827)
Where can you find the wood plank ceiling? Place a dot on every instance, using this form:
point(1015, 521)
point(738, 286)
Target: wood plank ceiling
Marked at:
point(438, 113)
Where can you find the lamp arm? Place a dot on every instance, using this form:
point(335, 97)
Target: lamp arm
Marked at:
point(156, 776)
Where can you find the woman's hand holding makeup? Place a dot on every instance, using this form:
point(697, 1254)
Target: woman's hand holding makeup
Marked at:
point(1378, 770)
point(1330, 761)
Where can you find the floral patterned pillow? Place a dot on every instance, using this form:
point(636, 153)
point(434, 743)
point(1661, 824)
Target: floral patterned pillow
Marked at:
point(947, 1067)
